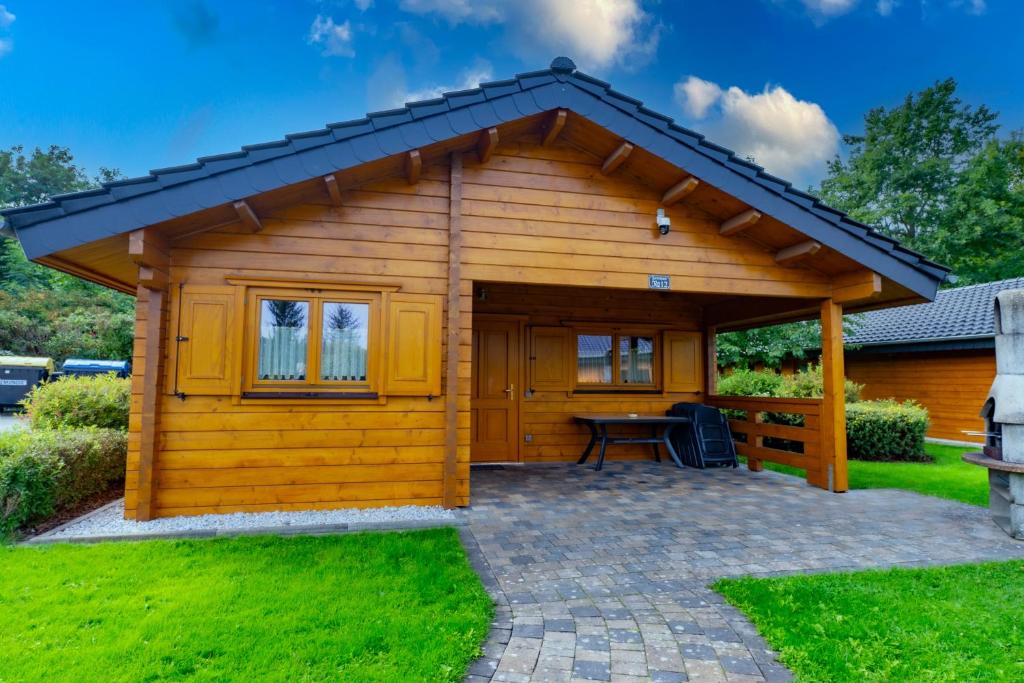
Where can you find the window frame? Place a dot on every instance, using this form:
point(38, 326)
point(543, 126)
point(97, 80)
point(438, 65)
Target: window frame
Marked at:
point(313, 384)
point(616, 385)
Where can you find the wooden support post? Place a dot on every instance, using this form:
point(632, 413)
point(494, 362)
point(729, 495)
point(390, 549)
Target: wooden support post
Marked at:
point(616, 158)
point(553, 126)
point(486, 145)
point(757, 441)
point(248, 217)
point(791, 255)
point(451, 389)
point(679, 190)
point(333, 191)
point(739, 223)
point(710, 360)
point(833, 406)
point(413, 166)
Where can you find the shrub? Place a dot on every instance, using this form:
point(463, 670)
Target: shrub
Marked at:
point(43, 472)
point(886, 430)
point(809, 383)
point(742, 382)
point(73, 402)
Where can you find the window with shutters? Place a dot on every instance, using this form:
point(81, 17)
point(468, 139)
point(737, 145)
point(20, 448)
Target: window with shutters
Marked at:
point(616, 360)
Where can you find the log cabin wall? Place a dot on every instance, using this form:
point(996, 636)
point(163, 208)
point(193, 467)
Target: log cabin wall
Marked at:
point(952, 385)
point(532, 214)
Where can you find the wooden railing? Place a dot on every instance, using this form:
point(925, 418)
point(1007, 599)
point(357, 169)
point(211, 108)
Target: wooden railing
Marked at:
point(798, 446)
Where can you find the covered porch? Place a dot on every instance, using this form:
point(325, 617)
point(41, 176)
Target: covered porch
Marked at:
point(543, 355)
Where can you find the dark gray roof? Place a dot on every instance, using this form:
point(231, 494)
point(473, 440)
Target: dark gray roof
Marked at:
point(961, 313)
point(78, 218)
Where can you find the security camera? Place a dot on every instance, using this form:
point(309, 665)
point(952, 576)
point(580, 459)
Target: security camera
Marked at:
point(664, 222)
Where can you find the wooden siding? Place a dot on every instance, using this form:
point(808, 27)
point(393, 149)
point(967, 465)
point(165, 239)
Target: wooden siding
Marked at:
point(952, 385)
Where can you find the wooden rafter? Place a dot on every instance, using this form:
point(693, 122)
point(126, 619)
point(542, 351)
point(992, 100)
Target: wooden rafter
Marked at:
point(486, 145)
point(248, 217)
point(413, 166)
point(333, 191)
point(740, 222)
point(679, 190)
point(795, 253)
point(146, 248)
point(553, 126)
point(616, 158)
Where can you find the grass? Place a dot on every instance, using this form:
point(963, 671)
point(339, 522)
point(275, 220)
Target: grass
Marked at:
point(360, 607)
point(947, 477)
point(940, 624)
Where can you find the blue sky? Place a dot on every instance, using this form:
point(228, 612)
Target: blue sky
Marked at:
point(141, 85)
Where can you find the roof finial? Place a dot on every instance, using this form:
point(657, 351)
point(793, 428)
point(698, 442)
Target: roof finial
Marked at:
point(563, 65)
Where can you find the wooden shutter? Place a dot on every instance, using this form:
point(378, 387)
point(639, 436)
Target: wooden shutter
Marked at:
point(551, 359)
point(413, 363)
point(683, 370)
point(207, 345)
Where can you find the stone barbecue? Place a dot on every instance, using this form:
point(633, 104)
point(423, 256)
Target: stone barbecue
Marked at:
point(1004, 417)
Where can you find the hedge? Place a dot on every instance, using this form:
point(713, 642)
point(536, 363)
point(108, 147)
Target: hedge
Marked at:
point(82, 401)
point(47, 471)
point(886, 430)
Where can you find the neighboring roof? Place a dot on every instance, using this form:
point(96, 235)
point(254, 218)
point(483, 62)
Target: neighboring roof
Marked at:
point(962, 313)
point(115, 208)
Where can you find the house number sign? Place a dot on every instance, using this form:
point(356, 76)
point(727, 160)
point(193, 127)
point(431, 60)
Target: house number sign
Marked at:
point(659, 282)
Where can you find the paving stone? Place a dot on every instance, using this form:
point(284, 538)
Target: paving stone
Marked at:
point(593, 671)
point(668, 677)
point(564, 625)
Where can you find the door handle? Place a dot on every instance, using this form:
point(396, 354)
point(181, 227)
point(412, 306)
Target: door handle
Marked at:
point(510, 391)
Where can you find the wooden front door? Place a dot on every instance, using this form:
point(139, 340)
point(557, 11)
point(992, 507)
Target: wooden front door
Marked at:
point(494, 405)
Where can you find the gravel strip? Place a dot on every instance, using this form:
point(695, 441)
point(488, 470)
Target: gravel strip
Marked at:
point(109, 522)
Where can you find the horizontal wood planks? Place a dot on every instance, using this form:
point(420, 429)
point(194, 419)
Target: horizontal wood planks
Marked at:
point(952, 385)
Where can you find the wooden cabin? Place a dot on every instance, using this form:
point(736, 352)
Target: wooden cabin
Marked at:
point(353, 315)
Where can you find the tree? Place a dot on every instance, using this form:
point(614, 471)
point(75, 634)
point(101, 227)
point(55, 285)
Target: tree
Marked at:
point(772, 344)
point(342, 318)
point(931, 173)
point(286, 313)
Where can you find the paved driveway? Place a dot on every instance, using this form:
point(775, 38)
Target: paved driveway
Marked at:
point(603, 575)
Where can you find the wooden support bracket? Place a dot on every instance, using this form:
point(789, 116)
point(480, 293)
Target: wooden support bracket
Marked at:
point(791, 255)
point(553, 126)
point(147, 248)
point(740, 222)
point(679, 190)
point(486, 145)
point(616, 158)
point(857, 286)
point(413, 166)
point(248, 217)
point(333, 191)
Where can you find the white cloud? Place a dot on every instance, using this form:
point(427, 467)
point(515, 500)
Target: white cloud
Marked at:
point(480, 72)
point(363, 5)
point(696, 96)
point(336, 39)
point(595, 33)
point(791, 138)
point(6, 45)
point(6, 18)
point(829, 8)
point(885, 7)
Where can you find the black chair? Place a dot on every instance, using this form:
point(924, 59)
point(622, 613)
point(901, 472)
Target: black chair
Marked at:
point(708, 441)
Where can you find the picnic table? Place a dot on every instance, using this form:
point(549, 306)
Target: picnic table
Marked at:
point(599, 423)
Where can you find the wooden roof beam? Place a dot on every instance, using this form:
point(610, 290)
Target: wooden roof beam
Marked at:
point(248, 217)
point(486, 145)
point(553, 126)
point(333, 191)
point(740, 222)
point(616, 158)
point(679, 190)
point(413, 166)
point(147, 248)
point(795, 253)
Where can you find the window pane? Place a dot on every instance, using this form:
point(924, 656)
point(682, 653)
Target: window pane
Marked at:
point(344, 342)
point(283, 335)
point(594, 359)
point(636, 355)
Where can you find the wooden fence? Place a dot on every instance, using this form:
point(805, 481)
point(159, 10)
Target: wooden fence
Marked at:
point(798, 446)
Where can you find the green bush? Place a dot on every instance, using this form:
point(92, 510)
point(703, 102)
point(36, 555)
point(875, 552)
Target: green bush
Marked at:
point(96, 401)
point(741, 382)
point(886, 430)
point(809, 383)
point(46, 471)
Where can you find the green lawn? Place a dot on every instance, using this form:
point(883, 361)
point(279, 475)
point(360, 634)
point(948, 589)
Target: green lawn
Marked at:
point(943, 624)
point(359, 607)
point(947, 477)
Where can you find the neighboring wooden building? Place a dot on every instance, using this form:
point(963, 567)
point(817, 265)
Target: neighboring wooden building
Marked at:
point(941, 354)
point(350, 316)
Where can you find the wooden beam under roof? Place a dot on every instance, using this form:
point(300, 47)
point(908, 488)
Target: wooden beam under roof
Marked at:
point(553, 126)
point(333, 191)
point(616, 158)
point(795, 253)
point(413, 166)
point(248, 217)
point(147, 248)
point(486, 145)
point(679, 190)
point(740, 222)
